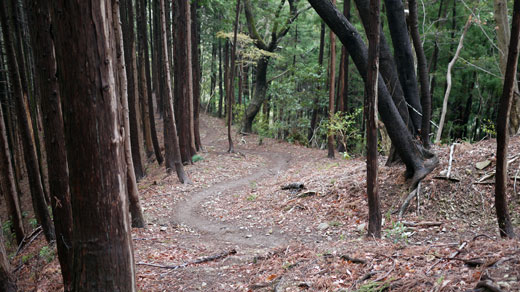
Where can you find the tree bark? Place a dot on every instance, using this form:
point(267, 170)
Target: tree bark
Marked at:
point(142, 26)
point(503, 35)
point(374, 211)
point(196, 65)
point(7, 281)
point(220, 87)
point(504, 221)
point(448, 81)
point(123, 92)
point(86, 56)
point(332, 88)
point(343, 69)
point(127, 19)
point(171, 140)
point(183, 91)
point(315, 106)
point(418, 161)
point(8, 185)
point(259, 94)
point(33, 172)
point(423, 74)
point(40, 23)
point(231, 89)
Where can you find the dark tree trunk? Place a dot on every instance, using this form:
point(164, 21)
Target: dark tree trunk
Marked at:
point(332, 87)
point(8, 185)
point(195, 61)
point(31, 162)
point(423, 74)
point(343, 69)
point(122, 89)
point(158, 60)
point(418, 161)
point(86, 56)
point(504, 221)
point(171, 140)
point(220, 86)
point(213, 76)
point(142, 26)
point(315, 103)
point(404, 58)
point(374, 211)
point(183, 93)
point(7, 281)
point(40, 22)
point(127, 19)
point(231, 88)
point(259, 94)
point(387, 68)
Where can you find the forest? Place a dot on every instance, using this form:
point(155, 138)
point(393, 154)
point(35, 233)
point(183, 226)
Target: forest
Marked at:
point(270, 145)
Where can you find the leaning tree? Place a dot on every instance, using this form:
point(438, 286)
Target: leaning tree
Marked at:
point(419, 161)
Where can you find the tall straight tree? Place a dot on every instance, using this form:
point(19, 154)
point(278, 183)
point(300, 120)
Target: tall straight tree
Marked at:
point(315, 103)
point(231, 87)
point(171, 140)
point(332, 88)
point(7, 281)
point(145, 56)
point(196, 65)
point(183, 80)
point(122, 92)
point(31, 161)
point(374, 212)
point(94, 127)
point(7, 183)
point(45, 61)
point(343, 69)
point(127, 20)
point(504, 221)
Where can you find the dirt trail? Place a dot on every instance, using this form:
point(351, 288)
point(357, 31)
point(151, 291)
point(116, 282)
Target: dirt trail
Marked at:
point(191, 213)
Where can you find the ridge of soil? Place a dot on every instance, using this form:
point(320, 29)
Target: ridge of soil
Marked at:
point(310, 239)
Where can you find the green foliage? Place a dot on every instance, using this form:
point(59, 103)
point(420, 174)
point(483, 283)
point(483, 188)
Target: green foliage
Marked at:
point(488, 127)
point(397, 233)
point(238, 113)
point(33, 222)
point(26, 258)
point(7, 226)
point(346, 129)
point(47, 253)
point(196, 158)
point(374, 287)
point(252, 197)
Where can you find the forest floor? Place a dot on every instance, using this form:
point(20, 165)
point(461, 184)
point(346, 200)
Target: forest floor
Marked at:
point(235, 229)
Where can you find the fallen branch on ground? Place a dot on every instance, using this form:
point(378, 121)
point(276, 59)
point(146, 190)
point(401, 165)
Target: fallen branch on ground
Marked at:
point(424, 224)
point(452, 256)
point(29, 239)
point(487, 285)
point(198, 261)
point(408, 199)
point(353, 260)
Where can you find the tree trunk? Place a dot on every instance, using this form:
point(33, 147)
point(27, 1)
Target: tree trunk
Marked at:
point(86, 55)
point(423, 74)
point(448, 81)
point(158, 60)
point(404, 58)
point(220, 87)
point(127, 19)
point(171, 140)
point(151, 113)
point(374, 211)
point(40, 22)
point(503, 36)
point(315, 103)
point(7, 281)
point(387, 69)
point(259, 95)
point(231, 89)
point(123, 93)
point(183, 93)
point(418, 161)
point(343, 70)
point(332, 87)
point(33, 172)
point(504, 221)
point(195, 60)
point(8, 185)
